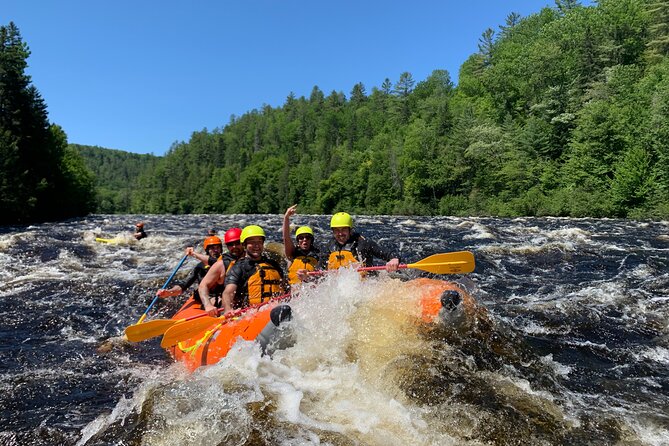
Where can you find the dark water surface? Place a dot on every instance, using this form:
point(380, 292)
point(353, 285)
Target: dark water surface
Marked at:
point(577, 351)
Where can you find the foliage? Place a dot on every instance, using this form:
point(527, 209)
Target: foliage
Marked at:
point(115, 176)
point(40, 179)
point(560, 113)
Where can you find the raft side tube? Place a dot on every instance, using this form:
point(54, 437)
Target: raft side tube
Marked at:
point(274, 336)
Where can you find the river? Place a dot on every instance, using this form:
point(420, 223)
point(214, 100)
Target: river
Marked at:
point(577, 351)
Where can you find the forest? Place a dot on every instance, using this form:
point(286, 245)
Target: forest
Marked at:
point(561, 113)
point(41, 177)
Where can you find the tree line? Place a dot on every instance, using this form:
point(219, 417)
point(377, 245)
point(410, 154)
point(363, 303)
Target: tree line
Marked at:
point(561, 113)
point(41, 178)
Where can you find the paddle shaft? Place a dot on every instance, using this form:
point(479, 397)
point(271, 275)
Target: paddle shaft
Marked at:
point(445, 263)
point(167, 282)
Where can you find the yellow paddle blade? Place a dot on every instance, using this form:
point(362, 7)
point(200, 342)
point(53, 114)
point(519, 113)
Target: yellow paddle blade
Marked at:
point(112, 241)
point(460, 262)
point(146, 330)
point(187, 329)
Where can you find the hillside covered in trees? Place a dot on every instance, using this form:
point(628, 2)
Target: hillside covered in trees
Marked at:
point(561, 113)
point(116, 177)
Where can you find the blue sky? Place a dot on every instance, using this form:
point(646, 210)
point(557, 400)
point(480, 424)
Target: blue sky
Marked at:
point(141, 75)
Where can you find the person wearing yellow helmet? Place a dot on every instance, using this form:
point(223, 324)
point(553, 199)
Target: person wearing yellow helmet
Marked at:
point(303, 254)
point(254, 278)
point(349, 247)
point(213, 247)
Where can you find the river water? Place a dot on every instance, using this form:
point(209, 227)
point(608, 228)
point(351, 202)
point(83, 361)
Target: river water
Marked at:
point(577, 351)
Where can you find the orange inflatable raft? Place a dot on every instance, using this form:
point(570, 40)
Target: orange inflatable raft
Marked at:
point(207, 346)
point(211, 343)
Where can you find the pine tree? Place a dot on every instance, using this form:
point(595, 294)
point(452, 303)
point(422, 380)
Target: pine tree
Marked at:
point(34, 172)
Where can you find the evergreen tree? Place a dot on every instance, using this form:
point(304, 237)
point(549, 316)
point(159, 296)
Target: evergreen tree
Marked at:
point(658, 43)
point(36, 172)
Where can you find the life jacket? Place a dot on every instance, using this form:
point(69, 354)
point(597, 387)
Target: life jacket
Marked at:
point(302, 260)
point(228, 261)
point(264, 283)
point(341, 256)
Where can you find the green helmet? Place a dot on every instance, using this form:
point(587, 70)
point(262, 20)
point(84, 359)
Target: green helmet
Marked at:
point(251, 231)
point(341, 220)
point(304, 230)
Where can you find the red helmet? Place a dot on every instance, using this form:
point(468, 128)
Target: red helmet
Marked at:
point(211, 241)
point(232, 235)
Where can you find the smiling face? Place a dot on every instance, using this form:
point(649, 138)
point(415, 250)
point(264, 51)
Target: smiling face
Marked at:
point(341, 234)
point(304, 242)
point(254, 246)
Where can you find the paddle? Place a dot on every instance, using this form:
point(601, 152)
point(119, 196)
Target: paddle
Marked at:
point(156, 327)
point(188, 328)
point(460, 262)
point(167, 282)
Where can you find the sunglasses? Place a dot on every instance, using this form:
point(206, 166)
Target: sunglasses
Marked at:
point(231, 244)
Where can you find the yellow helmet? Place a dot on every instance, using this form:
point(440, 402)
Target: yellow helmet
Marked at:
point(304, 230)
point(341, 220)
point(251, 231)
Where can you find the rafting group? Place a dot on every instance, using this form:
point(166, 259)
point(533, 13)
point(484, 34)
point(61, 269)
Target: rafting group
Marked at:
point(244, 292)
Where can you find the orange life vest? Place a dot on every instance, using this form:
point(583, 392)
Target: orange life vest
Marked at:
point(307, 262)
point(341, 258)
point(264, 283)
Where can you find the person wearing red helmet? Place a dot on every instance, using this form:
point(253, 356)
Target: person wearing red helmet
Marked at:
point(213, 247)
point(215, 277)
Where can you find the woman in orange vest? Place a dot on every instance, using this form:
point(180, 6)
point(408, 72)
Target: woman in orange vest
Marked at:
point(303, 254)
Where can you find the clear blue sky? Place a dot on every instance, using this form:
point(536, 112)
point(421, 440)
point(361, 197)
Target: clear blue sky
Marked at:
point(140, 75)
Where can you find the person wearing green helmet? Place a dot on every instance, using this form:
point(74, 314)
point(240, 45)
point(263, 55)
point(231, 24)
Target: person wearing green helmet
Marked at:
point(303, 254)
point(349, 247)
point(254, 278)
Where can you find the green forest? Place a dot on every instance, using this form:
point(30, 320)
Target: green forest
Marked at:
point(41, 178)
point(561, 113)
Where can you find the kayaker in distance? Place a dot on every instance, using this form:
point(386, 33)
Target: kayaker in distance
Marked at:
point(349, 247)
point(215, 277)
point(303, 254)
point(139, 231)
point(254, 278)
point(213, 247)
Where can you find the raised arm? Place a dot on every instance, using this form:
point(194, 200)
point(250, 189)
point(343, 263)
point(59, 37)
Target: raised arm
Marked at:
point(288, 245)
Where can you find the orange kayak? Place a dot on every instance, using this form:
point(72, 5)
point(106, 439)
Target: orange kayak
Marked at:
point(438, 300)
